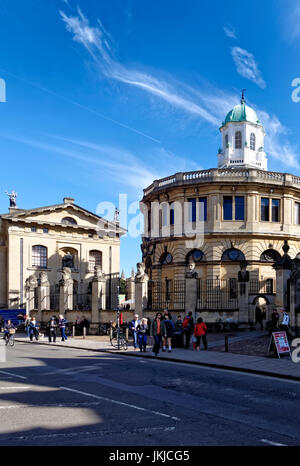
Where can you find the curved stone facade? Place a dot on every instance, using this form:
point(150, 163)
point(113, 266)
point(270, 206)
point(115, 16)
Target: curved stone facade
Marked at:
point(266, 207)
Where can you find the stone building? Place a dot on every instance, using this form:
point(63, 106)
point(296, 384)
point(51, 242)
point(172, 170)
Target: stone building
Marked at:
point(37, 245)
point(237, 217)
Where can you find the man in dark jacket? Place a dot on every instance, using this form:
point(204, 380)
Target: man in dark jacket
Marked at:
point(188, 327)
point(52, 327)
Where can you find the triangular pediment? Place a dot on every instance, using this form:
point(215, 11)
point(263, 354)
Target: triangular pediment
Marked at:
point(66, 215)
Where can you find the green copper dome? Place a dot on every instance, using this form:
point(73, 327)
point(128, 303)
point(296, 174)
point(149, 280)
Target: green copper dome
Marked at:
point(242, 112)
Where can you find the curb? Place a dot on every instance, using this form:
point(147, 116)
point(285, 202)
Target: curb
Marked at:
point(177, 360)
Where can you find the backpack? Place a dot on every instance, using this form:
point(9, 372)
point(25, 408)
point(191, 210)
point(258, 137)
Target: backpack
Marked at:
point(186, 322)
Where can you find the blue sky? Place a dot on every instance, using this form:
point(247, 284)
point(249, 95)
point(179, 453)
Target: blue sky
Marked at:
point(104, 97)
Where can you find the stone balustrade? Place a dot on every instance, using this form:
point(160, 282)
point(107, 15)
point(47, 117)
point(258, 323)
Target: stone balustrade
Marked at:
point(230, 175)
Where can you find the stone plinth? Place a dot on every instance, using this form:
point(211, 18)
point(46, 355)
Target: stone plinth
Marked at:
point(141, 296)
point(191, 295)
point(98, 298)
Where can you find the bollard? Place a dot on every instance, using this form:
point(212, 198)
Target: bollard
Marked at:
point(73, 330)
point(226, 344)
point(126, 334)
point(84, 332)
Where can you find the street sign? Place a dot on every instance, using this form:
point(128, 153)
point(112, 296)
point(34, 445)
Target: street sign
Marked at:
point(281, 343)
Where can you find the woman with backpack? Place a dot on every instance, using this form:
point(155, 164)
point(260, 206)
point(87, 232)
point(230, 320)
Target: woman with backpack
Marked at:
point(168, 329)
point(200, 332)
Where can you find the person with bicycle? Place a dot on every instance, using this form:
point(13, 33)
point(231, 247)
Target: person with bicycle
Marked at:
point(9, 329)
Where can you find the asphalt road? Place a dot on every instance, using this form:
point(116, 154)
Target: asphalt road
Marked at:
point(56, 396)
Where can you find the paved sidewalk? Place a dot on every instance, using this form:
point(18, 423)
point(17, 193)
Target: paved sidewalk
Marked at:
point(272, 366)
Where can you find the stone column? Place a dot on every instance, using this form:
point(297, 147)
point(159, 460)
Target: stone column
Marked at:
point(191, 295)
point(98, 295)
point(66, 291)
point(31, 285)
point(130, 285)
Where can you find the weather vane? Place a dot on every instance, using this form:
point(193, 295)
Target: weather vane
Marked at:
point(243, 96)
point(12, 198)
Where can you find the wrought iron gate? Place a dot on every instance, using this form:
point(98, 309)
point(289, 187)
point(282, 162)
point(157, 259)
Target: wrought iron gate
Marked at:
point(215, 294)
point(166, 294)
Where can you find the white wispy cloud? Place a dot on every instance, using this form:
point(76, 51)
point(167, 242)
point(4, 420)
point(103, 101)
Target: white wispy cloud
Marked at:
point(276, 142)
point(112, 162)
point(292, 22)
point(230, 31)
point(246, 66)
point(96, 42)
point(210, 105)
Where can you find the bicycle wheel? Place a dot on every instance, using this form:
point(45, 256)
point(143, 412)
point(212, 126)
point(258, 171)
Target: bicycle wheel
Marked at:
point(124, 345)
point(11, 341)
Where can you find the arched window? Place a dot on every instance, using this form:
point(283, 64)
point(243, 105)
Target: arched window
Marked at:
point(39, 257)
point(68, 221)
point(95, 258)
point(270, 255)
point(166, 259)
point(233, 255)
point(226, 140)
point(196, 255)
point(252, 141)
point(238, 140)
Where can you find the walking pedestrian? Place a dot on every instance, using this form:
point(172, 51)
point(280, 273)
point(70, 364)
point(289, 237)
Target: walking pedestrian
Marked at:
point(62, 325)
point(167, 331)
point(156, 333)
point(200, 332)
point(133, 327)
point(168, 313)
point(178, 332)
point(188, 327)
point(34, 329)
point(142, 334)
point(284, 321)
point(52, 327)
point(84, 324)
point(259, 317)
point(27, 325)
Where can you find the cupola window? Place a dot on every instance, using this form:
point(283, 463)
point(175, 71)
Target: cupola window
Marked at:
point(252, 141)
point(238, 140)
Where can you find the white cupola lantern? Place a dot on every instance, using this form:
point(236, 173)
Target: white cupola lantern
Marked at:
point(242, 139)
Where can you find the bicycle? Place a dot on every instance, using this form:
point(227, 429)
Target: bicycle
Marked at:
point(10, 339)
point(117, 339)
